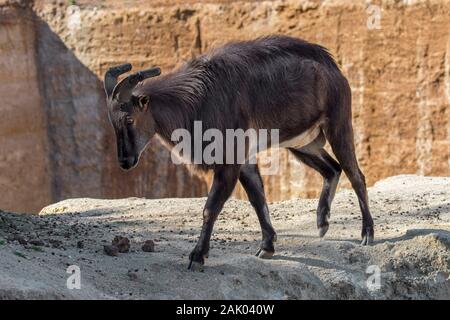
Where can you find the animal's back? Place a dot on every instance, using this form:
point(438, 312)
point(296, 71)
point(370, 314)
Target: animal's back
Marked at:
point(276, 79)
point(272, 48)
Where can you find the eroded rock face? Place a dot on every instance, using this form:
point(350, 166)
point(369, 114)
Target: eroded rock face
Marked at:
point(55, 117)
point(400, 78)
point(24, 165)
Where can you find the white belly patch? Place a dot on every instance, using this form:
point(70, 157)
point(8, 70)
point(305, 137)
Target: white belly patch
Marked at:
point(302, 139)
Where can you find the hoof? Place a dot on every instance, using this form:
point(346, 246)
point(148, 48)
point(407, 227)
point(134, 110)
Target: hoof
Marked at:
point(367, 237)
point(196, 266)
point(367, 241)
point(263, 254)
point(323, 230)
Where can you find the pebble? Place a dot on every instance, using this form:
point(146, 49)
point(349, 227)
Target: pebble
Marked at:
point(111, 250)
point(37, 242)
point(122, 244)
point(148, 246)
point(132, 275)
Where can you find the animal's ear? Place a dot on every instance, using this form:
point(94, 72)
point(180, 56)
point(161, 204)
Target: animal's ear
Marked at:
point(144, 103)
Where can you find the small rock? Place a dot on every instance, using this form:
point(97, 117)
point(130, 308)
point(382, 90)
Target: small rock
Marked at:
point(19, 239)
point(37, 242)
point(148, 246)
point(122, 243)
point(132, 275)
point(80, 244)
point(57, 244)
point(111, 250)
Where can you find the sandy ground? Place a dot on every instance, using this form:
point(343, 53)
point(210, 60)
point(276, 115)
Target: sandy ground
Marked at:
point(412, 216)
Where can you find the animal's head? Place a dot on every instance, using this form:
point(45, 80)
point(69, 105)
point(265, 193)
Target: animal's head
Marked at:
point(129, 114)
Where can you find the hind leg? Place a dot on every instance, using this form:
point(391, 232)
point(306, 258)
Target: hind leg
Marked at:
point(344, 151)
point(314, 156)
point(358, 182)
point(339, 133)
point(250, 179)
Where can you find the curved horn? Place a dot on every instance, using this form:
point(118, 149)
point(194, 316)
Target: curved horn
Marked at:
point(111, 76)
point(125, 87)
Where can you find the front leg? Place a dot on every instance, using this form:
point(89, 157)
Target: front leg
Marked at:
point(224, 181)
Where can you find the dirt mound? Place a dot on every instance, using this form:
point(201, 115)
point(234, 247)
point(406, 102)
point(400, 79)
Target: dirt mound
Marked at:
point(411, 253)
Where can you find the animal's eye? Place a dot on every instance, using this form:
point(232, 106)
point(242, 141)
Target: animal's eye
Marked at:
point(130, 120)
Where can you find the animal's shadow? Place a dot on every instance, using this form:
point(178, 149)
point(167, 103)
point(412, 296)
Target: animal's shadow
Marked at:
point(444, 235)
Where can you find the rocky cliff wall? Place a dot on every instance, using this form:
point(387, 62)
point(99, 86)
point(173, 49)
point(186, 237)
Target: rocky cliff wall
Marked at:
point(399, 71)
point(24, 166)
point(56, 142)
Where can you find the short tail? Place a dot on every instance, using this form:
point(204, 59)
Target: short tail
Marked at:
point(339, 129)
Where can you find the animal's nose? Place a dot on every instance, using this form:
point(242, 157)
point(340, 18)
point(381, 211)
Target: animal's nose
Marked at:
point(127, 163)
point(124, 164)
